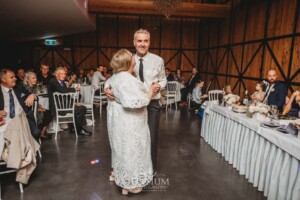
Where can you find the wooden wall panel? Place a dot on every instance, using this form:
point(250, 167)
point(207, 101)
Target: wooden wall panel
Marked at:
point(281, 17)
point(254, 62)
point(281, 50)
point(238, 22)
point(190, 33)
point(256, 18)
point(62, 56)
point(127, 26)
point(85, 39)
point(189, 59)
point(170, 58)
point(296, 60)
point(222, 60)
point(171, 33)
point(224, 31)
point(80, 59)
point(107, 30)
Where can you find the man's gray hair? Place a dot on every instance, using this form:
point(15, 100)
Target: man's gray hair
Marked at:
point(144, 31)
point(58, 69)
point(3, 73)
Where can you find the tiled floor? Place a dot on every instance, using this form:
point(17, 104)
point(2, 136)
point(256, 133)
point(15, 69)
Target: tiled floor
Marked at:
point(188, 168)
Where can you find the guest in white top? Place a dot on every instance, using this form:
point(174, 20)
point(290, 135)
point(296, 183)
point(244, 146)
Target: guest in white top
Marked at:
point(98, 77)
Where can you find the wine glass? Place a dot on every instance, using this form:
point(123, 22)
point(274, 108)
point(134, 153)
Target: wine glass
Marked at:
point(274, 112)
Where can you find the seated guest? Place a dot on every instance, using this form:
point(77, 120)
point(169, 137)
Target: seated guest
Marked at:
point(44, 76)
point(20, 77)
point(227, 89)
point(293, 105)
point(163, 93)
point(190, 86)
point(81, 77)
point(169, 75)
point(90, 75)
point(275, 91)
point(57, 84)
point(43, 115)
point(197, 96)
point(11, 102)
point(71, 79)
point(259, 94)
point(106, 74)
point(179, 77)
point(98, 76)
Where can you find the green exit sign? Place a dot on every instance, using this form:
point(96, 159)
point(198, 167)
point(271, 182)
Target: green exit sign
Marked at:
point(50, 42)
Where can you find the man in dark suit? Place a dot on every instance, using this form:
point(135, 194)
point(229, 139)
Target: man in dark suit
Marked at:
point(11, 103)
point(169, 76)
point(57, 84)
point(275, 91)
point(190, 86)
point(44, 75)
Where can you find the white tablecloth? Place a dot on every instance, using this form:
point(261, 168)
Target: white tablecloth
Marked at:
point(86, 94)
point(268, 159)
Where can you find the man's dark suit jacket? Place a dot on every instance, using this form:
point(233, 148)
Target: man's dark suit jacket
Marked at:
point(29, 114)
point(191, 84)
point(54, 86)
point(277, 97)
point(170, 77)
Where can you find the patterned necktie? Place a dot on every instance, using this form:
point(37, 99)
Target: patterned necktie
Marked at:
point(62, 83)
point(11, 104)
point(141, 70)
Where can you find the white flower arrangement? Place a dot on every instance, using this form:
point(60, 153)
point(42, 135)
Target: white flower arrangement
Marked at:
point(260, 108)
point(231, 99)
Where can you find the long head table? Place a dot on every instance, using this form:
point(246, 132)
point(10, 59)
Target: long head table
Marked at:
point(269, 159)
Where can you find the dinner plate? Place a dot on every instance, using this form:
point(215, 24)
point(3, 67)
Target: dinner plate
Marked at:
point(239, 111)
point(269, 125)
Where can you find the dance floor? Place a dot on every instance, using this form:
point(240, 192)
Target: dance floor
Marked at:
point(188, 168)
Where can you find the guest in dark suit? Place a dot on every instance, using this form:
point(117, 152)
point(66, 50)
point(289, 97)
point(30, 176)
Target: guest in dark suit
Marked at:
point(169, 76)
point(44, 76)
point(57, 84)
point(275, 91)
point(190, 86)
point(20, 77)
point(11, 101)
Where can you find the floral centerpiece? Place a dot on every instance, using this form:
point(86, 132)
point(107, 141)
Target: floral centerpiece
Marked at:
point(230, 99)
point(258, 111)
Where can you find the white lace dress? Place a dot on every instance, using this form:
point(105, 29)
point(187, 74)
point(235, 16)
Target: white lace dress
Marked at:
point(129, 132)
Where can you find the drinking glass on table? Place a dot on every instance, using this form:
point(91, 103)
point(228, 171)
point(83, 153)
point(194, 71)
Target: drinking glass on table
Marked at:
point(274, 112)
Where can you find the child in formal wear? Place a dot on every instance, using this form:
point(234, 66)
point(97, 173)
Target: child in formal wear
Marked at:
point(259, 94)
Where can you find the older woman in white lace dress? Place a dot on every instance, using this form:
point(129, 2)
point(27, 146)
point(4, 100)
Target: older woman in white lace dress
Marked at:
point(128, 127)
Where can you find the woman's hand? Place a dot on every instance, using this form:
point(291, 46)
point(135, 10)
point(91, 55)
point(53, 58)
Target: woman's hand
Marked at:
point(3, 113)
point(30, 100)
point(109, 94)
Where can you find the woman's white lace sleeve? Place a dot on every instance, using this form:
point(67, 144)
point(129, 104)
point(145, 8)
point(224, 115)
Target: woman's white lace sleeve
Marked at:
point(133, 95)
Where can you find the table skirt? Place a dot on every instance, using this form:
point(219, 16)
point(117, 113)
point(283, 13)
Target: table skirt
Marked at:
point(265, 165)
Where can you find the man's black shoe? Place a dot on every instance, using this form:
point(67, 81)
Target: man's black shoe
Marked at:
point(84, 132)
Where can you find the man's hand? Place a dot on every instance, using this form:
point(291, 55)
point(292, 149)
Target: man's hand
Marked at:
point(296, 93)
point(3, 113)
point(109, 94)
point(77, 88)
point(30, 100)
point(204, 96)
point(155, 87)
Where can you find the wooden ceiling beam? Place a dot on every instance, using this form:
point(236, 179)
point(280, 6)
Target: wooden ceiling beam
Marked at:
point(147, 7)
